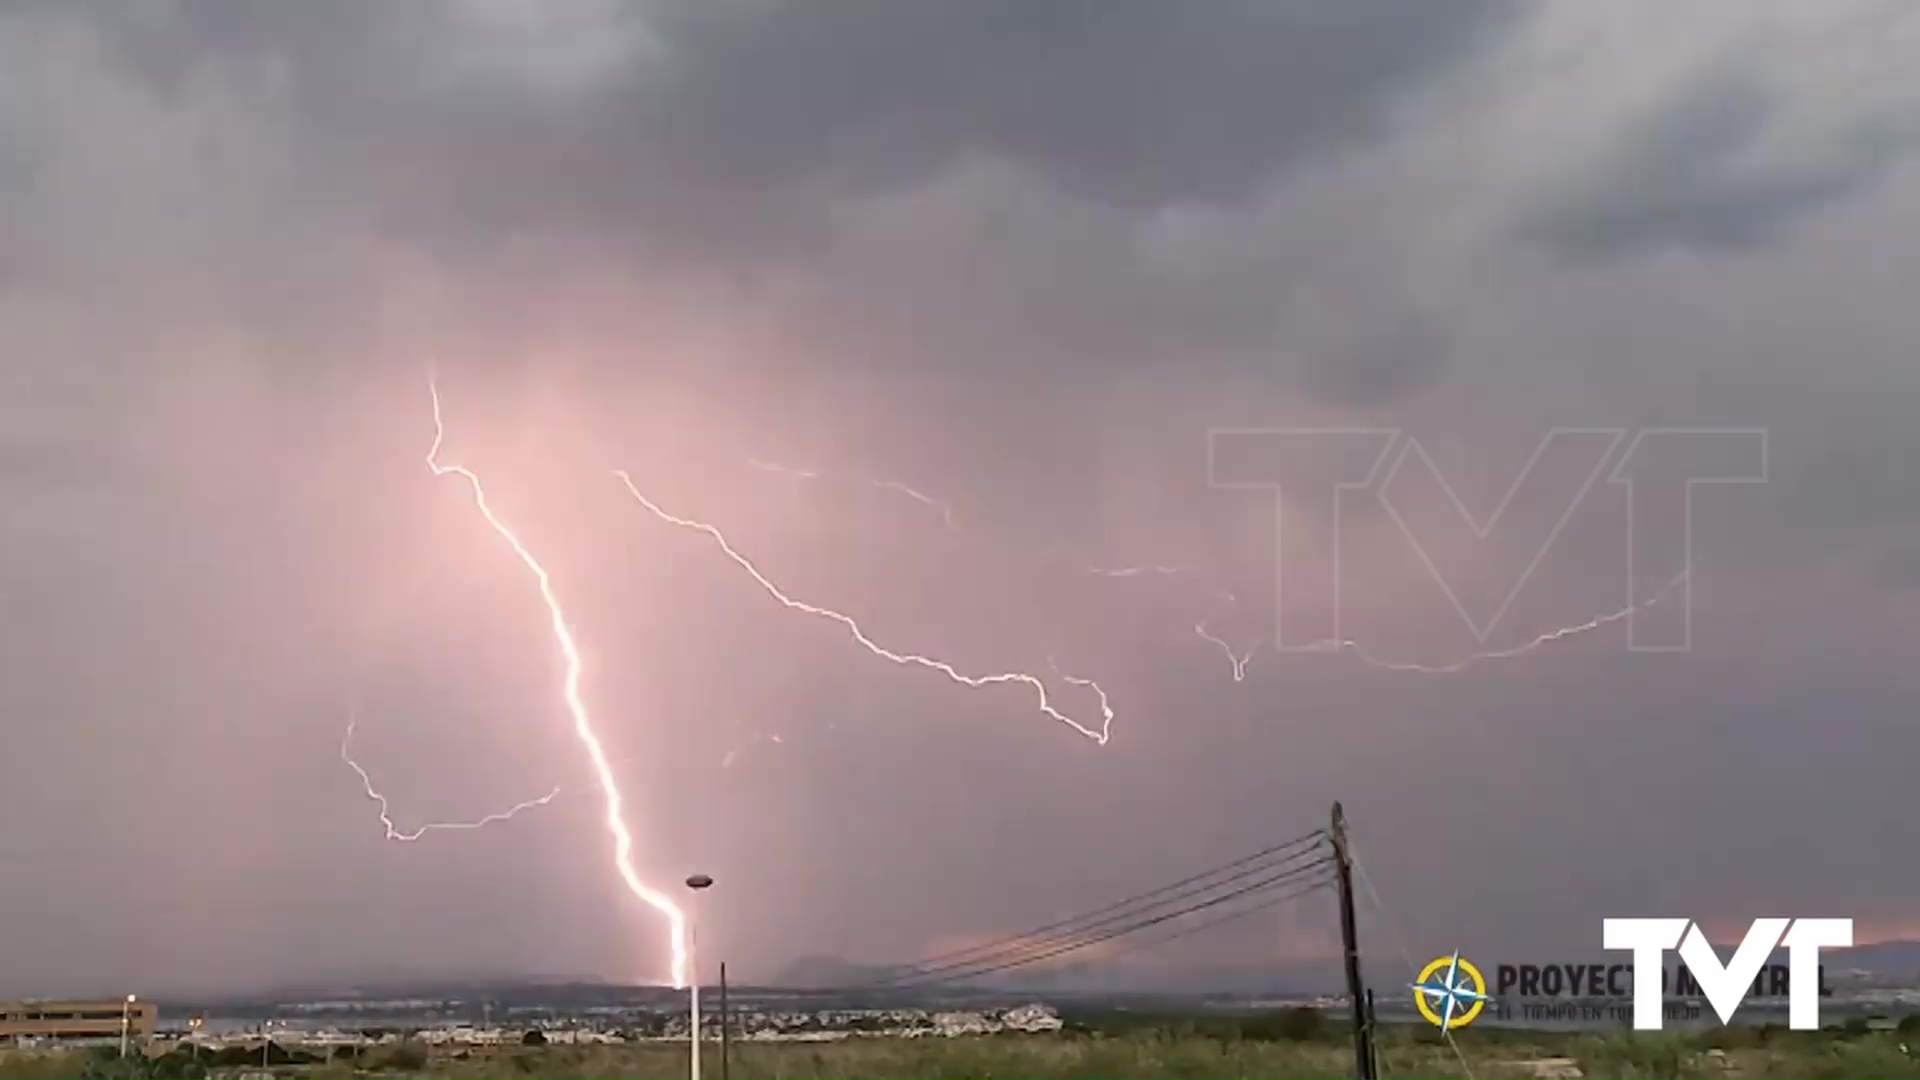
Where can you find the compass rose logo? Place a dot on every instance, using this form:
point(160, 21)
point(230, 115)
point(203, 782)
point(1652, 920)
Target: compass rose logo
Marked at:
point(1450, 992)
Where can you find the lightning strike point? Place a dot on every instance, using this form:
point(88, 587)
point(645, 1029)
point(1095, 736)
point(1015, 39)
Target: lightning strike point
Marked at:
point(576, 707)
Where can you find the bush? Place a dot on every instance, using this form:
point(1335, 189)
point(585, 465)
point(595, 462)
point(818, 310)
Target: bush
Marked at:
point(1646, 1054)
point(401, 1057)
point(1868, 1059)
point(1286, 1025)
point(176, 1064)
point(107, 1064)
point(180, 1063)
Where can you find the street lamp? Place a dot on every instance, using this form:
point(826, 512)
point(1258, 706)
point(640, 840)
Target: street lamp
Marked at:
point(126, 1023)
point(193, 1035)
point(698, 883)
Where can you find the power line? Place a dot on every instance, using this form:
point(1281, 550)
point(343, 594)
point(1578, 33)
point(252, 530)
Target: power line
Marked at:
point(1150, 915)
point(1133, 907)
point(1218, 920)
point(1104, 916)
point(1305, 878)
point(1301, 888)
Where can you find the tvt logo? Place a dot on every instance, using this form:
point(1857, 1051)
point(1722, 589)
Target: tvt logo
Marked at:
point(1725, 986)
point(1311, 471)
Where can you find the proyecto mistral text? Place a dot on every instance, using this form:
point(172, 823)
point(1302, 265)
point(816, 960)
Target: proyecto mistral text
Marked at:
point(1616, 981)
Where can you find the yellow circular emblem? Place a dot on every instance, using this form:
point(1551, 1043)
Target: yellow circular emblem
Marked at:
point(1450, 992)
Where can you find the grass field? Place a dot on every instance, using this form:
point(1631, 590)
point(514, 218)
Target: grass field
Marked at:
point(1131, 1050)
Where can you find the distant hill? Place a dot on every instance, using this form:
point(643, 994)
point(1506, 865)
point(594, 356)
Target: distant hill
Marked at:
point(818, 972)
point(1886, 959)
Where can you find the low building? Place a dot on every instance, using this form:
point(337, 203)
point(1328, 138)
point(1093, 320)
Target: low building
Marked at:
point(77, 1019)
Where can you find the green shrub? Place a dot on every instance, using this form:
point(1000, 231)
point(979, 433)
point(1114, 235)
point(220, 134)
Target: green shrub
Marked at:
point(400, 1057)
point(1867, 1059)
point(1285, 1025)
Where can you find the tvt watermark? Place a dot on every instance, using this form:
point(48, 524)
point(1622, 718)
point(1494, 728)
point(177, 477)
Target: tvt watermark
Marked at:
point(1725, 985)
point(1311, 471)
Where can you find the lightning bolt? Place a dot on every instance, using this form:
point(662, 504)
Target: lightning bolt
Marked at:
point(952, 521)
point(1524, 647)
point(1135, 571)
point(1239, 660)
point(386, 815)
point(1538, 641)
point(944, 507)
point(1098, 734)
point(577, 708)
point(784, 470)
point(921, 497)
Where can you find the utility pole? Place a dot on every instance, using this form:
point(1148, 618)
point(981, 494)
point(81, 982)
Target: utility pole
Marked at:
point(1363, 1065)
point(1373, 1034)
point(726, 1022)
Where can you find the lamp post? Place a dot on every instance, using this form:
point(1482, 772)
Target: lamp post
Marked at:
point(193, 1035)
point(126, 1023)
point(698, 883)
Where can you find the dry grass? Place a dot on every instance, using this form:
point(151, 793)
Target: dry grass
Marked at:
point(1144, 1054)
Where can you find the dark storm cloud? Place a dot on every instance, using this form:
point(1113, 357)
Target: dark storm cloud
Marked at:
point(1692, 174)
point(739, 138)
point(1133, 103)
point(740, 107)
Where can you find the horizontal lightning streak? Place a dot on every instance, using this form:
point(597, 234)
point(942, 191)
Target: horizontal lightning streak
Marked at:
point(1136, 571)
point(1360, 652)
point(951, 520)
point(395, 833)
point(1240, 659)
point(944, 507)
point(1099, 735)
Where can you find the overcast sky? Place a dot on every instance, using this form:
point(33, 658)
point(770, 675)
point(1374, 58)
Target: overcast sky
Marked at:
point(1022, 258)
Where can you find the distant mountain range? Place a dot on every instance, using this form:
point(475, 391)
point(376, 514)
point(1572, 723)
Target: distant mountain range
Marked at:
point(821, 971)
point(1887, 960)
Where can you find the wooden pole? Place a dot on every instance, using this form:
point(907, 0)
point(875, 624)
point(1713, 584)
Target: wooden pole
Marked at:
point(1349, 938)
point(1373, 1035)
